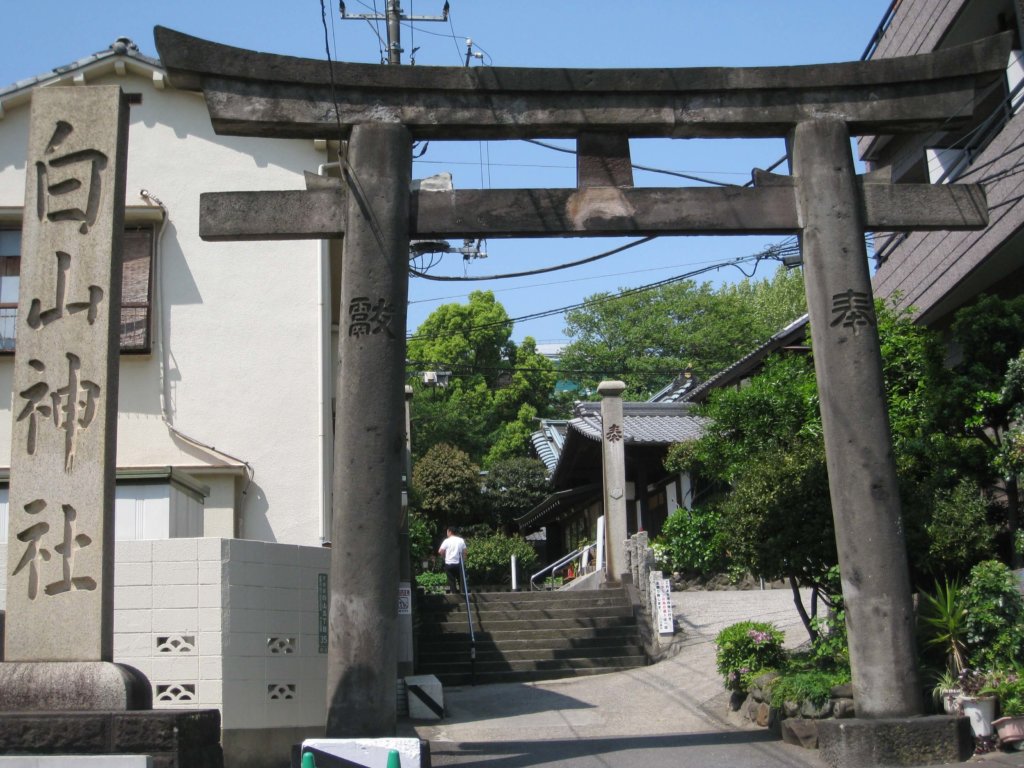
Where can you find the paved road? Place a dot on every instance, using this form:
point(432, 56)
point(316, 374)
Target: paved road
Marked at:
point(674, 713)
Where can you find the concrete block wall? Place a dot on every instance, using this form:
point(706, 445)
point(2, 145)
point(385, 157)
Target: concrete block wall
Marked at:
point(273, 671)
point(224, 623)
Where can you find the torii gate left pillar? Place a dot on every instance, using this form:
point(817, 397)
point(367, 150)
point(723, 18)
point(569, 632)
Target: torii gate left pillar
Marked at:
point(369, 438)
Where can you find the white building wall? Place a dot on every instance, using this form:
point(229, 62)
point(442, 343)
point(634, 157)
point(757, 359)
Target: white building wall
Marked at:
point(243, 323)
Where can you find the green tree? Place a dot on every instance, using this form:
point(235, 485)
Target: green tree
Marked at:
point(471, 340)
point(513, 487)
point(512, 438)
point(764, 445)
point(446, 485)
point(646, 338)
point(495, 389)
point(987, 336)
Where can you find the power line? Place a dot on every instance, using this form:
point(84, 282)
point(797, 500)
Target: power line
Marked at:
point(540, 271)
point(637, 166)
point(531, 286)
point(602, 299)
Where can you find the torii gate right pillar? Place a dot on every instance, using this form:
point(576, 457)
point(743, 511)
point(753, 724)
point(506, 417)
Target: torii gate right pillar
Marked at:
point(858, 444)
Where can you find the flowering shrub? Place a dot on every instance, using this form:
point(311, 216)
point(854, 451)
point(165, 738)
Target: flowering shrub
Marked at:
point(746, 649)
point(994, 616)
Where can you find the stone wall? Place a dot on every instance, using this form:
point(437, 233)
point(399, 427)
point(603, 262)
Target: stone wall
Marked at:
point(794, 723)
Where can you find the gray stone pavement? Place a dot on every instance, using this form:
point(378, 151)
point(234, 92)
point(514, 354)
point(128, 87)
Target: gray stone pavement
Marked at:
point(671, 714)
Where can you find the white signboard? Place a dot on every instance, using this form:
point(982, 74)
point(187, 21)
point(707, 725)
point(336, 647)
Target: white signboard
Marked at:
point(404, 599)
point(661, 602)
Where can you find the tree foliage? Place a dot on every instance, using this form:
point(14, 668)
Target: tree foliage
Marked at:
point(513, 487)
point(446, 485)
point(763, 447)
point(489, 559)
point(979, 400)
point(495, 390)
point(471, 340)
point(647, 338)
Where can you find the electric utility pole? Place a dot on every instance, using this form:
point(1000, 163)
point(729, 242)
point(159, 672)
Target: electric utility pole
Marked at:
point(394, 17)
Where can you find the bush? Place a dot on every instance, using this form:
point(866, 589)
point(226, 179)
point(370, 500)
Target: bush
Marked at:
point(432, 583)
point(421, 548)
point(812, 685)
point(488, 560)
point(746, 649)
point(691, 542)
point(995, 616)
point(1011, 696)
point(959, 534)
point(446, 484)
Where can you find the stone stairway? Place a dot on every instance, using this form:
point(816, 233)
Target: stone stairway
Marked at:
point(523, 636)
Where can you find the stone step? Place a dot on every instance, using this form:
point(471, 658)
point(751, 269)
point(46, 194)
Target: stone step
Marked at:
point(520, 638)
point(527, 636)
point(577, 638)
point(529, 665)
point(509, 625)
point(465, 676)
point(439, 656)
point(483, 616)
point(568, 596)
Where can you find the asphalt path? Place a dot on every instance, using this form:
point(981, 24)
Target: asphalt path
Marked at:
point(673, 713)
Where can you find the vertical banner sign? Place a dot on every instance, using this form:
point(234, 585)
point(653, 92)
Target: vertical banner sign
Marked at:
point(321, 612)
point(61, 524)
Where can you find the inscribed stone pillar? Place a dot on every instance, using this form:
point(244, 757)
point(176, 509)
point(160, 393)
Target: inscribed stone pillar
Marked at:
point(858, 444)
point(369, 435)
point(60, 535)
point(613, 463)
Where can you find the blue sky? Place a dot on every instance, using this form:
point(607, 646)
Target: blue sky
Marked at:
point(572, 33)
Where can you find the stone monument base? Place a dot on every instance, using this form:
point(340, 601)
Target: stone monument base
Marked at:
point(49, 686)
point(896, 741)
point(174, 738)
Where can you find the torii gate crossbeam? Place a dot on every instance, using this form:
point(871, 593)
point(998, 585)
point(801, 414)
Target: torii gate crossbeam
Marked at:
point(380, 110)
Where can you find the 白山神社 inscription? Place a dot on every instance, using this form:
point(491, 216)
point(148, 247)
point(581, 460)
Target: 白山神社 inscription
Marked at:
point(60, 542)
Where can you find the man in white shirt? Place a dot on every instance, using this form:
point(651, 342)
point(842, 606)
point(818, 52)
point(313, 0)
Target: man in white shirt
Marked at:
point(454, 549)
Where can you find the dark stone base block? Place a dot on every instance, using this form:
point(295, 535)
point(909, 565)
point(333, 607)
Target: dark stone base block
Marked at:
point(74, 686)
point(174, 738)
point(897, 741)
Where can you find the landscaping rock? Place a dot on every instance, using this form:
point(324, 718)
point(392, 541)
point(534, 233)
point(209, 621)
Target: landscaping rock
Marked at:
point(790, 709)
point(800, 732)
point(844, 691)
point(843, 708)
point(810, 710)
point(775, 722)
point(763, 714)
point(736, 699)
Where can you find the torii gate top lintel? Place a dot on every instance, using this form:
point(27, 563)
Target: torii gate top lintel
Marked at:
point(259, 94)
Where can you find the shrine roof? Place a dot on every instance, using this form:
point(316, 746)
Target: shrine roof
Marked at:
point(642, 423)
point(787, 336)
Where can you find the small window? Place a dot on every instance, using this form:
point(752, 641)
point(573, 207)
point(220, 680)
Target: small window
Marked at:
point(136, 288)
point(10, 269)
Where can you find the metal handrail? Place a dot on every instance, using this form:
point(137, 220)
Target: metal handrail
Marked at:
point(559, 563)
point(469, 618)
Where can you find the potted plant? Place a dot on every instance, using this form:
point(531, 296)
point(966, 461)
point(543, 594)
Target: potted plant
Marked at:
point(977, 702)
point(1010, 727)
point(946, 691)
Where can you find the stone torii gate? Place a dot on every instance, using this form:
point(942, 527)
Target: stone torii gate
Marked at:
point(381, 110)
